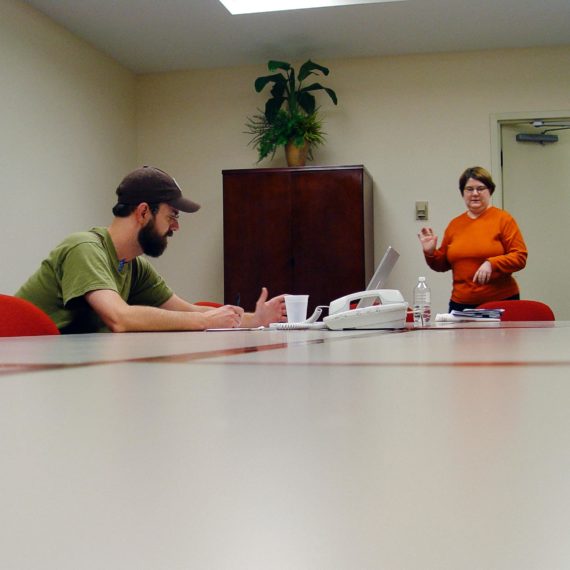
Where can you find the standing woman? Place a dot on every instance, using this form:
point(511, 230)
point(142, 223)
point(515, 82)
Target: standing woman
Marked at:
point(483, 247)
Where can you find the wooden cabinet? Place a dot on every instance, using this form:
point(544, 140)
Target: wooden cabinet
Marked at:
point(297, 230)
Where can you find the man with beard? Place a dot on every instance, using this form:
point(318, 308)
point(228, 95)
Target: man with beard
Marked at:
point(98, 281)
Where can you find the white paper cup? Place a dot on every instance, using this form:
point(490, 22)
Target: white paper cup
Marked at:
point(296, 306)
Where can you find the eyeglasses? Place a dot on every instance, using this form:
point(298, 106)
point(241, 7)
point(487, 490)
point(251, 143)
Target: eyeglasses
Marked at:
point(471, 189)
point(173, 217)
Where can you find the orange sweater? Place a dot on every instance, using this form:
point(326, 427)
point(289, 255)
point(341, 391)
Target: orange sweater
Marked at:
point(495, 237)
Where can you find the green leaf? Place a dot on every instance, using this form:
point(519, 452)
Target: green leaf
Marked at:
point(306, 101)
point(292, 83)
point(278, 89)
point(272, 65)
point(331, 94)
point(261, 82)
point(272, 107)
point(309, 67)
point(317, 87)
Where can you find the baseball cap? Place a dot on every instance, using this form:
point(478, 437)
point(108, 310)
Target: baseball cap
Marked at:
point(150, 184)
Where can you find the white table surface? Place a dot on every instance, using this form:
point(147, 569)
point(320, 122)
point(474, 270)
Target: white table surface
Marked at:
point(445, 448)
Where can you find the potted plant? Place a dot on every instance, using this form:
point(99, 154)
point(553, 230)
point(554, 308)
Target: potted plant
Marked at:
point(291, 118)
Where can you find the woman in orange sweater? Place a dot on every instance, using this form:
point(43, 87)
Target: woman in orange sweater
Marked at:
point(482, 246)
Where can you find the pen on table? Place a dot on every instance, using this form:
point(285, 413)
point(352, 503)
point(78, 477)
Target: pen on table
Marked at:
point(238, 300)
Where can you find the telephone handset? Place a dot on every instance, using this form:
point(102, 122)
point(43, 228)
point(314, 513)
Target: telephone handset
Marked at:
point(388, 312)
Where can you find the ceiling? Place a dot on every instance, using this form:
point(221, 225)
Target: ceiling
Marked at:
point(149, 36)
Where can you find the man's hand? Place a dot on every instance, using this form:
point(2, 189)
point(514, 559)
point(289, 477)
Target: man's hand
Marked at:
point(226, 317)
point(483, 274)
point(428, 240)
point(272, 311)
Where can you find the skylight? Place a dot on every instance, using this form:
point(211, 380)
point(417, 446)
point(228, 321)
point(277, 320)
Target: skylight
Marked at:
point(254, 6)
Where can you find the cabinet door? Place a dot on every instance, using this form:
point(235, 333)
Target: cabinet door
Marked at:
point(257, 235)
point(328, 234)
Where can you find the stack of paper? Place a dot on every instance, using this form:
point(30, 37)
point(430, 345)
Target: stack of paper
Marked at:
point(471, 315)
point(479, 313)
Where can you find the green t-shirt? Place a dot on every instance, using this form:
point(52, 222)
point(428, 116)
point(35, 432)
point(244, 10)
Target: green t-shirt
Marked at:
point(83, 262)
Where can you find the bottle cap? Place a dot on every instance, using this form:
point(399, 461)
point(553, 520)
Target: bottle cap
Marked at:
point(421, 278)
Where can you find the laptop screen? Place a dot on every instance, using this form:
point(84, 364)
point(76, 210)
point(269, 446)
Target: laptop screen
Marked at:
point(380, 275)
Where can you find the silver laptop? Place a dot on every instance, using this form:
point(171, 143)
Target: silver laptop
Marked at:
point(380, 275)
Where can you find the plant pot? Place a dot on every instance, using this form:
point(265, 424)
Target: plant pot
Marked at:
point(296, 155)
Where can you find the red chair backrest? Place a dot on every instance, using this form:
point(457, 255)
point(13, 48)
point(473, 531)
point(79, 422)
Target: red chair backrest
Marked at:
point(522, 310)
point(19, 317)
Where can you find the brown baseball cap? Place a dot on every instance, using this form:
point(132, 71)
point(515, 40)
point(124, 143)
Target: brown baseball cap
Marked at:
point(150, 184)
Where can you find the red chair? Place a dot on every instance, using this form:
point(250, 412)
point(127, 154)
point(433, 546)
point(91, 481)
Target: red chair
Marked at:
point(19, 317)
point(521, 310)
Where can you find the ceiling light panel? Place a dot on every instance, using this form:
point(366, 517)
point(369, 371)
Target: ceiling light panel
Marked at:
point(255, 6)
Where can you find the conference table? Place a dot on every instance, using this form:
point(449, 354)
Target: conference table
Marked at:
point(443, 447)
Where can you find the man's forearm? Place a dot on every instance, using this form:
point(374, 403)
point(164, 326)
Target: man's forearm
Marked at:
point(138, 318)
point(119, 316)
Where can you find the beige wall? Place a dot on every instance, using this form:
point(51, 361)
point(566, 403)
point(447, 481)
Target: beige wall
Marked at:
point(414, 121)
point(70, 132)
point(67, 136)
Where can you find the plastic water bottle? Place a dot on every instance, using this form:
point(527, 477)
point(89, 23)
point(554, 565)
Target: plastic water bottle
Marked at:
point(422, 303)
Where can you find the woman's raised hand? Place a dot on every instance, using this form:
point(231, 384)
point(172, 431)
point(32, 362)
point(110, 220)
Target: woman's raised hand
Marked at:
point(428, 240)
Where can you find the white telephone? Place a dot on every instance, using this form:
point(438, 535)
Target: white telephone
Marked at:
point(390, 313)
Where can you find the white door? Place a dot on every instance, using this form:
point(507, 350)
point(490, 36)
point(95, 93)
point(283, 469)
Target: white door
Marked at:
point(536, 191)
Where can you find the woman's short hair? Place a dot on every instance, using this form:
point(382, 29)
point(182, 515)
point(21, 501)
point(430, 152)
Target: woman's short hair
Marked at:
point(477, 173)
point(125, 210)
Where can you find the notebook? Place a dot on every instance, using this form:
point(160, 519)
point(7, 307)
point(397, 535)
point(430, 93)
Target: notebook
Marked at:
point(297, 326)
point(380, 275)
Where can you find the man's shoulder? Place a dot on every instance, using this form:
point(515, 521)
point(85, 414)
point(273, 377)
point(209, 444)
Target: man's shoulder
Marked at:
point(78, 245)
point(79, 238)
